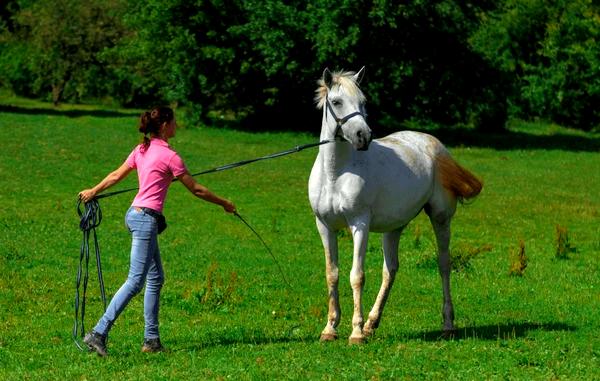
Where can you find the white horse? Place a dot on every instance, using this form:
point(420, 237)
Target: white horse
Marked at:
point(378, 186)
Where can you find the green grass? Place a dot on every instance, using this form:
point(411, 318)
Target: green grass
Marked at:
point(543, 325)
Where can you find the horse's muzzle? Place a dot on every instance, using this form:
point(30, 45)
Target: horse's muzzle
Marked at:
point(363, 139)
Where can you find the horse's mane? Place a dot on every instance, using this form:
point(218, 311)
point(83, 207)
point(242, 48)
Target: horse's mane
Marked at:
point(343, 79)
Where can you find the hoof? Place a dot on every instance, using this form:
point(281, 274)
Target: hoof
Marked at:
point(357, 340)
point(328, 337)
point(369, 328)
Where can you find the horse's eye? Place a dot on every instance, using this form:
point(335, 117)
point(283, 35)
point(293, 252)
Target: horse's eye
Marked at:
point(336, 102)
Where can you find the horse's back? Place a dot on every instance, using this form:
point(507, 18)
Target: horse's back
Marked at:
point(415, 141)
point(408, 152)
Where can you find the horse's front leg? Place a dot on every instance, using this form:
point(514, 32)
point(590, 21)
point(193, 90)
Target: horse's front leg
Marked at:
point(390, 267)
point(360, 235)
point(329, 239)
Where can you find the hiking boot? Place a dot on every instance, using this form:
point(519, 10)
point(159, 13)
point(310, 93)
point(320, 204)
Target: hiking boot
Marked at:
point(152, 346)
point(96, 343)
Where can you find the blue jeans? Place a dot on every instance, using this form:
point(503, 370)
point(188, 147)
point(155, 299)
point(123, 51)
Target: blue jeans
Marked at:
point(145, 266)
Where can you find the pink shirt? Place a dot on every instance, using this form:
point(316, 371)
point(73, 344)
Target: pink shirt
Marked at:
point(157, 166)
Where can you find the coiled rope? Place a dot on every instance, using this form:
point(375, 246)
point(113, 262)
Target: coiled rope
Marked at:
point(90, 219)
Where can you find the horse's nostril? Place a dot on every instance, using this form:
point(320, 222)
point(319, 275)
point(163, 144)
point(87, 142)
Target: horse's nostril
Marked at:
point(359, 134)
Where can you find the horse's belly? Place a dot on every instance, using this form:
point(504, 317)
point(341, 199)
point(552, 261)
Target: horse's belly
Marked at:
point(395, 209)
point(394, 218)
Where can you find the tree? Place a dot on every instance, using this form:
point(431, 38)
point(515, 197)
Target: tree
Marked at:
point(419, 62)
point(260, 59)
point(550, 51)
point(60, 41)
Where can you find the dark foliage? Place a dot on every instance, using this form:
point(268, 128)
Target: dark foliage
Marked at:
point(256, 62)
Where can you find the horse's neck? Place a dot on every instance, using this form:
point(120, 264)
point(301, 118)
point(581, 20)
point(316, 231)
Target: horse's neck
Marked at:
point(334, 156)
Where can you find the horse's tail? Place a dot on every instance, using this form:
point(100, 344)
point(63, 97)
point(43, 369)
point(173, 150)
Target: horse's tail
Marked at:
point(456, 179)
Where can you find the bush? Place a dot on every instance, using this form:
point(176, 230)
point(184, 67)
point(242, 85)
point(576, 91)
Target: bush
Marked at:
point(550, 53)
point(15, 68)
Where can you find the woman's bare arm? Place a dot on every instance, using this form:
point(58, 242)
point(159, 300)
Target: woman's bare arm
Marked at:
point(204, 193)
point(110, 180)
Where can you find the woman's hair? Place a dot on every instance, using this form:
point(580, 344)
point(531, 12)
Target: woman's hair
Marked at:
point(151, 121)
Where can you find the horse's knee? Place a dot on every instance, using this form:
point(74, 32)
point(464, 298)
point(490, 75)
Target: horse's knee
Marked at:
point(357, 279)
point(332, 275)
point(333, 316)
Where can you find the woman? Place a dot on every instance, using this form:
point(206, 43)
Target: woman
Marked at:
point(156, 164)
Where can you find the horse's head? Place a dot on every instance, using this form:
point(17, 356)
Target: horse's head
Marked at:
point(343, 105)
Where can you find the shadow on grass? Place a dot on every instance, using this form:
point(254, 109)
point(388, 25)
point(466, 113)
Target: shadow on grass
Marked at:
point(506, 331)
point(511, 140)
point(249, 337)
point(504, 140)
point(73, 113)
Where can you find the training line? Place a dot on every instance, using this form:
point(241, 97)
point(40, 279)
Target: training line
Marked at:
point(232, 165)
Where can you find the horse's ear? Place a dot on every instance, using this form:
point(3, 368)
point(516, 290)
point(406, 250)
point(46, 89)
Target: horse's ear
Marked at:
point(359, 76)
point(327, 78)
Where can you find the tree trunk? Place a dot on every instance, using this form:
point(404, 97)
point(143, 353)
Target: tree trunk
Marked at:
point(57, 90)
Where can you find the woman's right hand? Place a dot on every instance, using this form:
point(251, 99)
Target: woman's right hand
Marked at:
point(229, 206)
point(87, 195)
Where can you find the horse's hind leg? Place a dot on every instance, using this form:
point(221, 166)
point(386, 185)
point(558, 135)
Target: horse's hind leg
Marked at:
point(390, 267)
point(331, 266)
point(440, 219)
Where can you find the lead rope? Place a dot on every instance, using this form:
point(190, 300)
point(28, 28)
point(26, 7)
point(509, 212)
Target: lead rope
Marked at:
point(266, 247)
point(90, 219)
point(233, 165)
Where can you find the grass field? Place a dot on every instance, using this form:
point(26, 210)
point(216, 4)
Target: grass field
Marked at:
point(227, 314)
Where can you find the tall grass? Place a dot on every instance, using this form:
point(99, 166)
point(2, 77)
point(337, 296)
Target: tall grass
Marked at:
point(541, 325)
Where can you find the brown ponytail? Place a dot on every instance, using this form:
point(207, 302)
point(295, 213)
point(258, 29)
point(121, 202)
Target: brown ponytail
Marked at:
point(151, 121)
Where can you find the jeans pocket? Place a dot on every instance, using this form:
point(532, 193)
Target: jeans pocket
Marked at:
point(126, 219)
point(138, 221)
